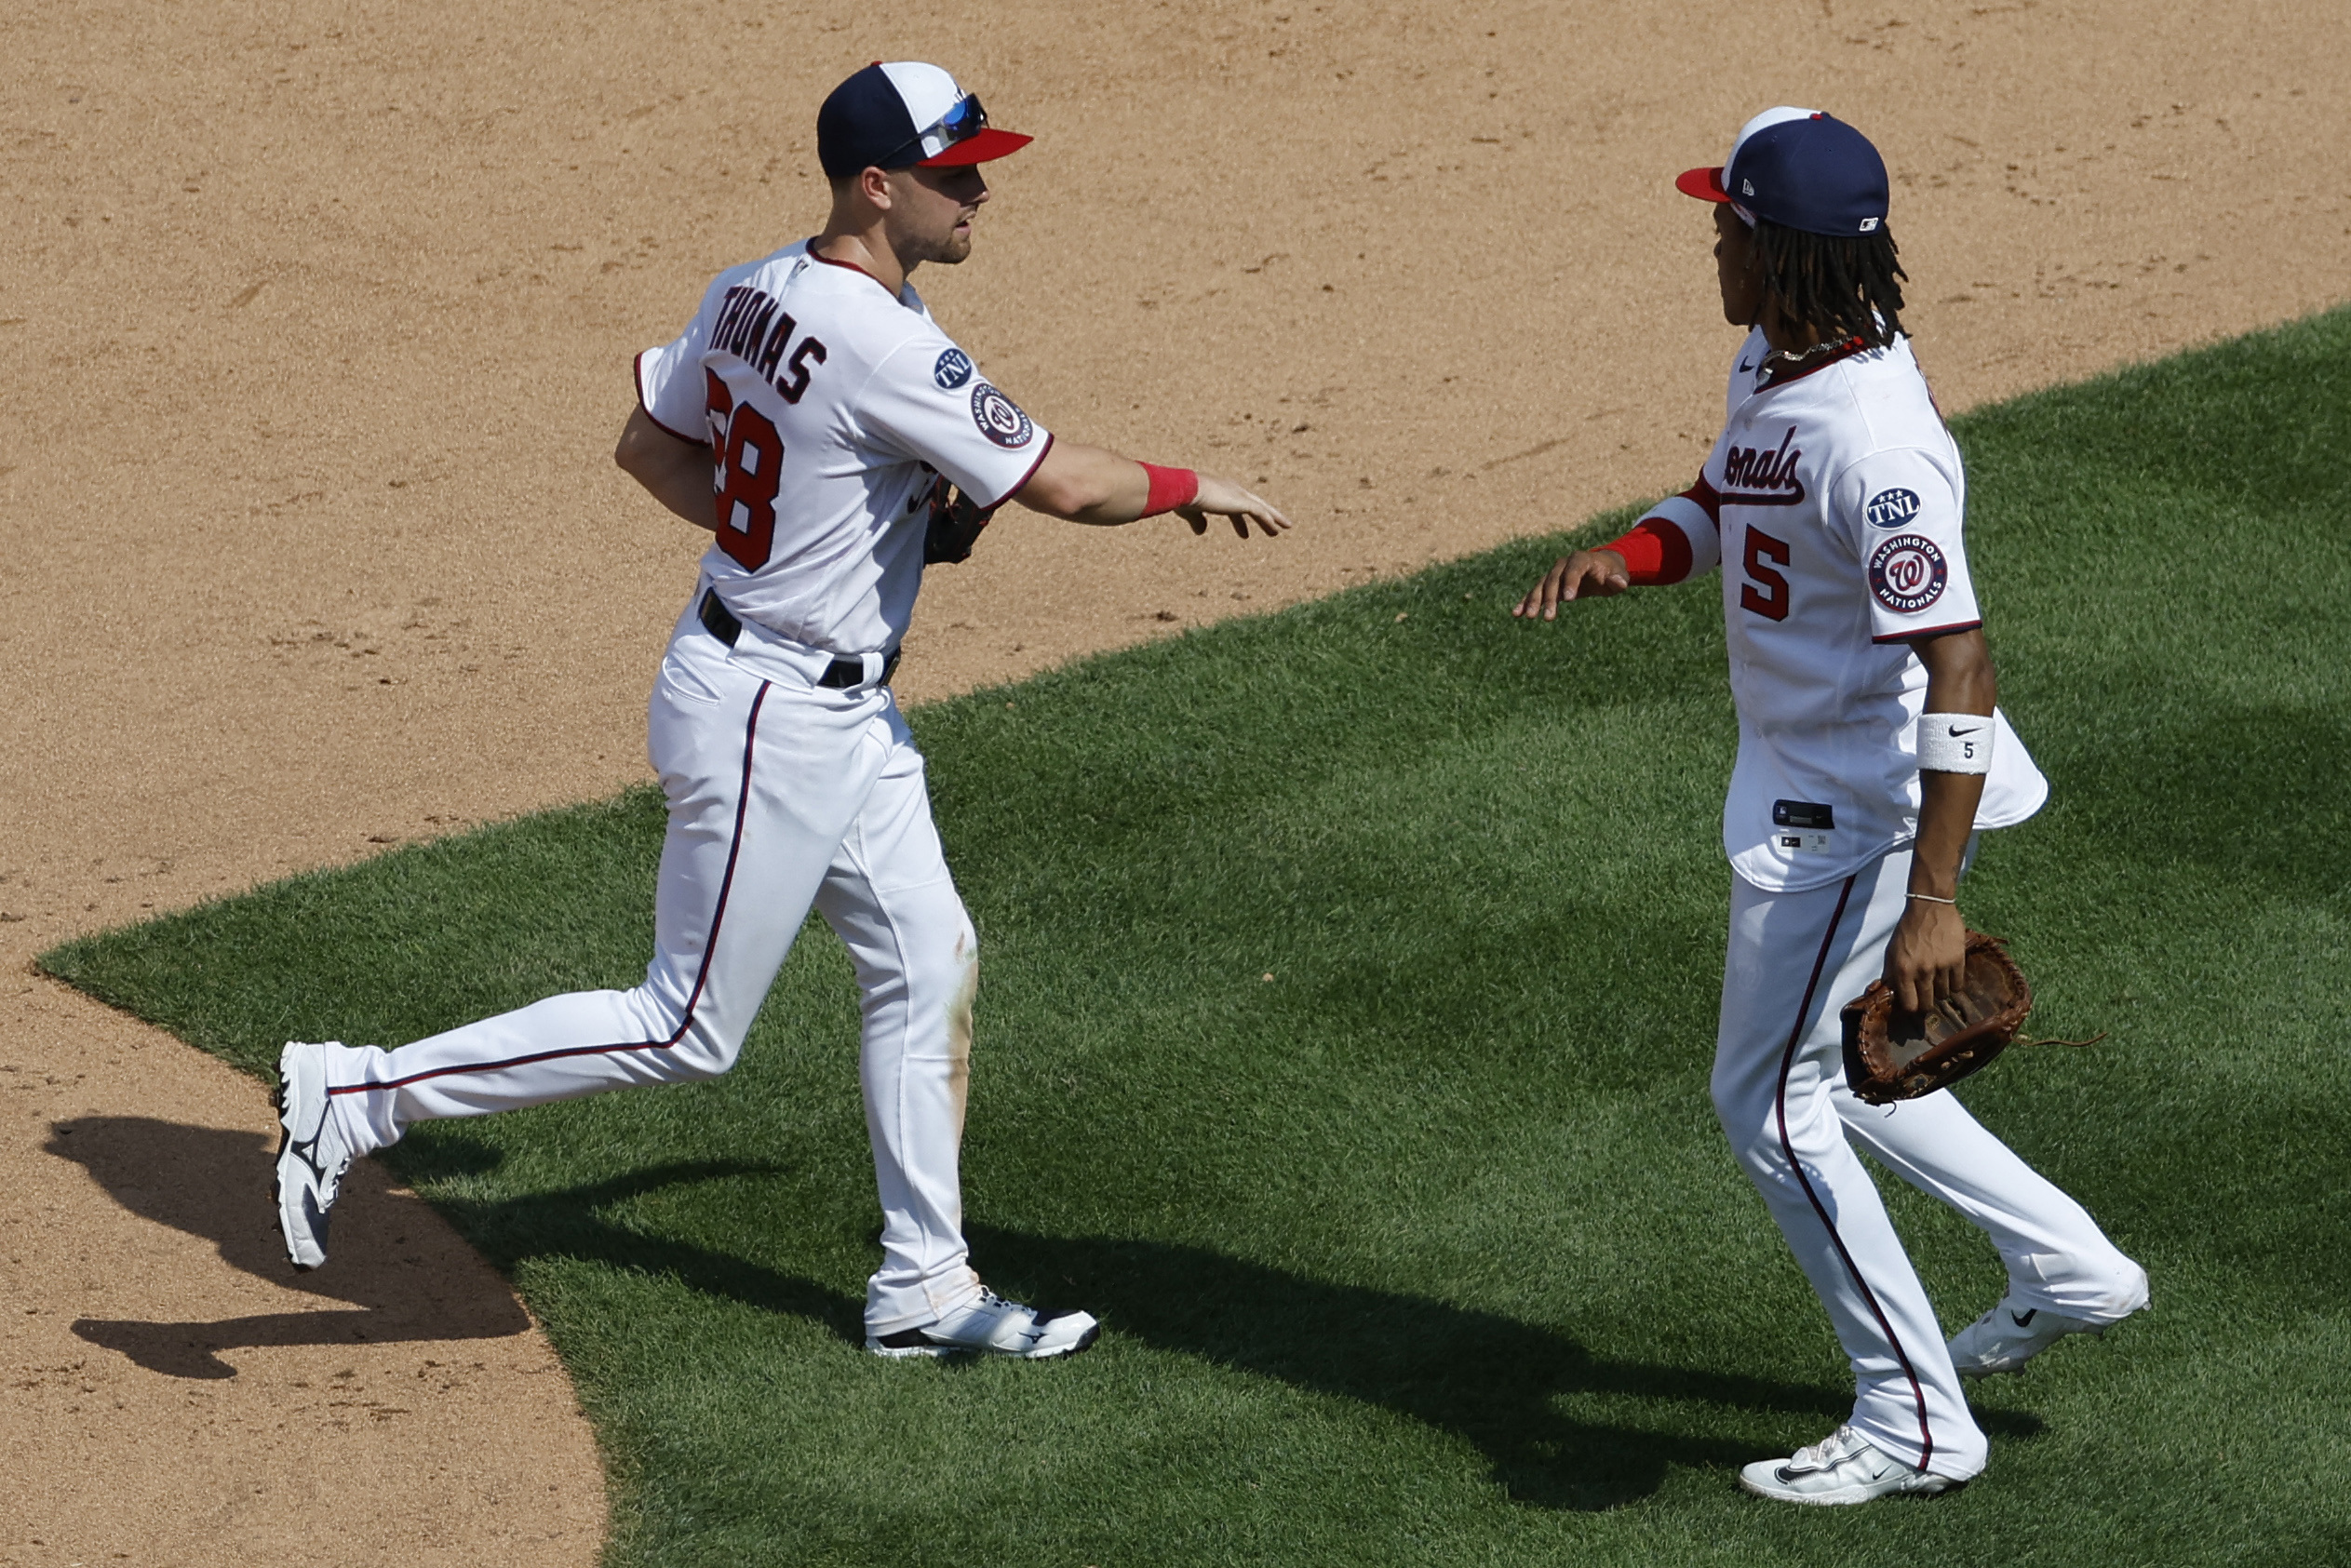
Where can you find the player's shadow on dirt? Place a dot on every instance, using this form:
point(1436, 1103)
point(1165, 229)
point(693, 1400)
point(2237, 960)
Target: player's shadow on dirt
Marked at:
point(405, 1278)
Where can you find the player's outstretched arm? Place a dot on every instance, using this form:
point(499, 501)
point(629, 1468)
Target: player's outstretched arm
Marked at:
point(1675, 542)
point(1926, 959)
point(676, 471)
point(1095, 485)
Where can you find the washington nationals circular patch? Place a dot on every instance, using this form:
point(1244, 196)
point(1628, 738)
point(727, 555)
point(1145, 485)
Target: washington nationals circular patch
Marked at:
point(1907, 573)
point(953, 369)
point(1001, 421)
point(1891, 509)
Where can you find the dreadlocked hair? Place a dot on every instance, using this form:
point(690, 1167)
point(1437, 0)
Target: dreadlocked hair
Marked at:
point(1839, 287)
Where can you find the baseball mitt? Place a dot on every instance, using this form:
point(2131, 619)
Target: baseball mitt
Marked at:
point(1892, 1055)
point(955, 525)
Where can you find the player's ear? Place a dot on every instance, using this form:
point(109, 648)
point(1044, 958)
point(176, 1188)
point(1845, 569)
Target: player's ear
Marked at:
point(874, 185)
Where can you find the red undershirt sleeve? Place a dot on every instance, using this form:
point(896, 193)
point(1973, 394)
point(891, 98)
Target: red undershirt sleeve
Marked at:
point(1679, 540)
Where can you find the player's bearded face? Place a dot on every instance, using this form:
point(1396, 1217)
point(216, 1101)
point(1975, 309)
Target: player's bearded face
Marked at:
point(930, 212)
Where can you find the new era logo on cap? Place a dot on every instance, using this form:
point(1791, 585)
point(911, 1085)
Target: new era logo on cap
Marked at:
point(1800, 169)
point(898, 114)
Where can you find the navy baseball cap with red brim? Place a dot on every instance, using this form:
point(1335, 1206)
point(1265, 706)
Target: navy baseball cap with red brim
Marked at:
point(1801, 168)
point(903, 113)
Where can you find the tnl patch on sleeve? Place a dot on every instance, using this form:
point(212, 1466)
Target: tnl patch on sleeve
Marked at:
point(1892, 508)
point(1907, 573)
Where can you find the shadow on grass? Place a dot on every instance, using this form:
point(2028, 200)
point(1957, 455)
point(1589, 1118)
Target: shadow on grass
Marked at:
point(1498, 1383)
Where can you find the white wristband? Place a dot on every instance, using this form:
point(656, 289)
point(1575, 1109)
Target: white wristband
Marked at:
point(1954, 743)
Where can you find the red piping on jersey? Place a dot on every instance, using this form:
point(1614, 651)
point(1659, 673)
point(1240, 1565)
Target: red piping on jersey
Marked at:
point(636, 369)
point(701, 976)
point(847, 267)
point(1023, 478)
point(1929, 632)
point(1709, 499)
point(1788, 1150)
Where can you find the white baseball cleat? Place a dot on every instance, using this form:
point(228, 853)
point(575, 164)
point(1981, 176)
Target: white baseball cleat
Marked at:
point(991, 1326)
point(2005, 1338)
point(311, 1156)
point(1846, 1468)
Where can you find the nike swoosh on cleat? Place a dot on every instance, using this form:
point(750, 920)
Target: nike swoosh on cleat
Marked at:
point(2025, 1321)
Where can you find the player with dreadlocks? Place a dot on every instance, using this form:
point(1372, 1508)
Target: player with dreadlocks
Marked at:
point(1870, 756)
point(1827, 287)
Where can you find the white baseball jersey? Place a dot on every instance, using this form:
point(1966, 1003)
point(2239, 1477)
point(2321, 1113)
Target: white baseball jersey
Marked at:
point(831, 408)
point(829, 405)
point(1832, 501)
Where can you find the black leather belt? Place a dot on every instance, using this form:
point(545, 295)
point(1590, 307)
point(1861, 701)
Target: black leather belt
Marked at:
point(842, 673)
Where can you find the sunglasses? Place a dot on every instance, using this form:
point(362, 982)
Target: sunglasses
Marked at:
point(962, 123)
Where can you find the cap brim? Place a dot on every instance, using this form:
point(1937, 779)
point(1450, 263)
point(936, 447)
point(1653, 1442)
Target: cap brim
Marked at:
point(1706, 184)
point(987, 146)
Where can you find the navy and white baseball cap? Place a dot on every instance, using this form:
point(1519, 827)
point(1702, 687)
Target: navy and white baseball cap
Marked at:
point(904, 112)
point(1802, 170)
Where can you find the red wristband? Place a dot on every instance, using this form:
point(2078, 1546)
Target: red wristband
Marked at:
point(1654, 552)
point(1171, 487)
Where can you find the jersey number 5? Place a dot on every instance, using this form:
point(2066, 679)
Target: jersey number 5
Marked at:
point(1765, 592)
point(748, 452)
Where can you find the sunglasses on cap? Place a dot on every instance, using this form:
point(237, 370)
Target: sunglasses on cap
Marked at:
point(962, 123)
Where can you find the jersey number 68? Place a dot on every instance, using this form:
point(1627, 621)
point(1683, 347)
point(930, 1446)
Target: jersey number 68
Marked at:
point(746, 451)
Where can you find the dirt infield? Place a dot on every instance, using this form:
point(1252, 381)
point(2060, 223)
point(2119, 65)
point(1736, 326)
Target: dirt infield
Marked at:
point(315, 337)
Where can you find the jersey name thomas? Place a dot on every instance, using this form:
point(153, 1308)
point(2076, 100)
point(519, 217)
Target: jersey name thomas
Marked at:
point(830, 408)
point(1832, 501)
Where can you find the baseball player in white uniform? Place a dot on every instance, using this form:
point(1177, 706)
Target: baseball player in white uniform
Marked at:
point(1870, 754)
point(809, 415)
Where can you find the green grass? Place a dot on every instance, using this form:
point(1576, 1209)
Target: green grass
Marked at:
point(1426, 1250)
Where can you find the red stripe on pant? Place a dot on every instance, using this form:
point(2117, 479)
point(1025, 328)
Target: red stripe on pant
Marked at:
point(1787, 1065)
point(701, 976)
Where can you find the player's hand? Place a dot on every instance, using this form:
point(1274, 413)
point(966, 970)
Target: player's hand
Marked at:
point(1587, 574)
point(1224, 497)
point(1926, 959)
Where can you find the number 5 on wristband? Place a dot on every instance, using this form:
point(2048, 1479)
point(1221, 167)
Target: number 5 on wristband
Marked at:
point(1954, 743)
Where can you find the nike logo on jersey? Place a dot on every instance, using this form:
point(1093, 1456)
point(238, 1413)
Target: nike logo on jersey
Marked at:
point(1755, 476)
point(1745, 365)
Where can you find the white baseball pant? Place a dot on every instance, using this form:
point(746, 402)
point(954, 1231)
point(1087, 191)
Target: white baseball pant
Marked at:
point(1795, 960)
point(783, 794)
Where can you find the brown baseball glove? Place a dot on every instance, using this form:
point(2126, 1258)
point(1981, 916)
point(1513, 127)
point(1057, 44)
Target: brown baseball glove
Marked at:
point(1892, 1055)
point(955, 525)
